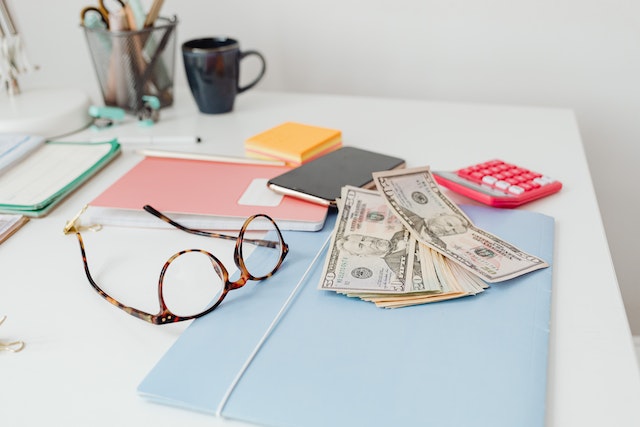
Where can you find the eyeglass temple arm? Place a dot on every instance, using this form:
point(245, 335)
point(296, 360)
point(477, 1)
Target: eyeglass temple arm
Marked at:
point(153, 211)
point(132, 311)
point(157, 213)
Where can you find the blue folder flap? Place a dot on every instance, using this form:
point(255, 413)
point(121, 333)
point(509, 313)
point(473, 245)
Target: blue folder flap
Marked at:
point(338, 361)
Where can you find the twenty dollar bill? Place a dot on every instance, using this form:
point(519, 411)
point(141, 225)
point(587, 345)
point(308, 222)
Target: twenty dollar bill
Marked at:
point(440, 224)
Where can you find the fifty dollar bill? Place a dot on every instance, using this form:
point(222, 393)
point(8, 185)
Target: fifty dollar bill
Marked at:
point(370, 250)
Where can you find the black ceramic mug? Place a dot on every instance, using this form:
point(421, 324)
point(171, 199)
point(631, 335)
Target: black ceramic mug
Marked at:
point(212, 66)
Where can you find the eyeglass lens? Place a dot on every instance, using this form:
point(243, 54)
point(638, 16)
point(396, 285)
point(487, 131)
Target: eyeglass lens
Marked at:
point(261, 261)
point(192, 282)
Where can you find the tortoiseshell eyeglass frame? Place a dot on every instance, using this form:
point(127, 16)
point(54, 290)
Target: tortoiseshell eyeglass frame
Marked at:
point(165, 315)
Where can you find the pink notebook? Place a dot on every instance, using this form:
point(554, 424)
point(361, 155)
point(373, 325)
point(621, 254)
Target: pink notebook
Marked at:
point(201, 194)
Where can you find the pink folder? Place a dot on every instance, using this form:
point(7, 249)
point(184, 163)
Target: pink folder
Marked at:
point(201, 194)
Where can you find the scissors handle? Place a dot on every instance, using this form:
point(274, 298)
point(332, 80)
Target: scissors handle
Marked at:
point(111, 6)
point(90, 15)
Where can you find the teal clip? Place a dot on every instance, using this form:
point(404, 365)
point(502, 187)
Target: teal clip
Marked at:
point(104, 117)
point(150, 111)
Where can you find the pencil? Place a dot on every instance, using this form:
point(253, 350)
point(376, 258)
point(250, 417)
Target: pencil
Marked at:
point(208, 157)
point(154, 11)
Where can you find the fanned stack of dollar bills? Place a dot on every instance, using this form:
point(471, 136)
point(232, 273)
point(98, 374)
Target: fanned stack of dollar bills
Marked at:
point(408, 244)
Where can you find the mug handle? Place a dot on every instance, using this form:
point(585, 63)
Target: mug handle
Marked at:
point(262, 71)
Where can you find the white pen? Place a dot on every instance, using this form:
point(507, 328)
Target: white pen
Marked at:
point(156, 140)
point(209, 157)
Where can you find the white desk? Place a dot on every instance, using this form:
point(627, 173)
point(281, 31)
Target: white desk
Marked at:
point(84, 358)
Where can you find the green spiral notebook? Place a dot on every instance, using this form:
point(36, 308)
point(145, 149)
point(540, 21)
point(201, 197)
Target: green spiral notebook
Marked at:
point(38, 182)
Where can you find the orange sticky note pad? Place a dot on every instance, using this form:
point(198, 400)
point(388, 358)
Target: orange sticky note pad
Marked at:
point(294, 143)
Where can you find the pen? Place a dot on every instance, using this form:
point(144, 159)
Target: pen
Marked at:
point(156, 140)
point(209, 157)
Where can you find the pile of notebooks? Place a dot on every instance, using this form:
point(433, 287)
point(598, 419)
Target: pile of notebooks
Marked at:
point(35, 175)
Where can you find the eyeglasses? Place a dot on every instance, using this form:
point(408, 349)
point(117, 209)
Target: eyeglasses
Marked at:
point(201, 272)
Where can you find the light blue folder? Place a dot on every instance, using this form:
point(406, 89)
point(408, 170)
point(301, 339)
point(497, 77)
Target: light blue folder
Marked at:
point(338, 361)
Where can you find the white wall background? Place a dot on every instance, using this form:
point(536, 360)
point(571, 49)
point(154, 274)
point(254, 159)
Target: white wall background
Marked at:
point(579, 54)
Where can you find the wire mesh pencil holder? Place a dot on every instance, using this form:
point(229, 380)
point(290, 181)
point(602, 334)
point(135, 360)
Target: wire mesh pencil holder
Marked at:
point(132, 64)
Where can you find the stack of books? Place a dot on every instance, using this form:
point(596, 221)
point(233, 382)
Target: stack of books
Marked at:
point(293, 143)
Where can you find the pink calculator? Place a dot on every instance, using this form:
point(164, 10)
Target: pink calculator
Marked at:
point(498, 183)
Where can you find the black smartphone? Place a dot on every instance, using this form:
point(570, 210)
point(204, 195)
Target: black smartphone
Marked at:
point(321, 180)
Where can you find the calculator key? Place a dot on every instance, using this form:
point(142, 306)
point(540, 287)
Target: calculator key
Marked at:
point(515, 189)
point(502, 185)
point(464, 173)
point(475, 176)
point(489, 180)
point(543, 180)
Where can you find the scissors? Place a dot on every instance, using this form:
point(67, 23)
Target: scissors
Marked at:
point(98, 16)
